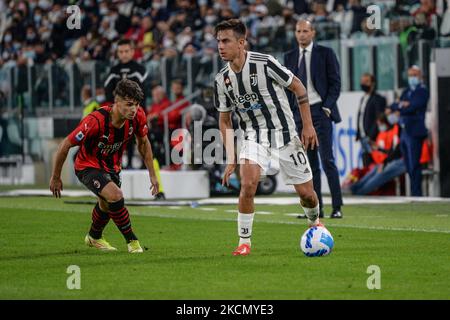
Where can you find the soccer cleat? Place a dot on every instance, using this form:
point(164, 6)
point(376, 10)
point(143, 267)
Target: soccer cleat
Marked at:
point(100, 244)
point(242, 250)
point(134, 247)
point(336, 214)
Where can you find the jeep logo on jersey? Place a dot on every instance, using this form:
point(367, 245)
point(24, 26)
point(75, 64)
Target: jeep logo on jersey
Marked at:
point(253, 97)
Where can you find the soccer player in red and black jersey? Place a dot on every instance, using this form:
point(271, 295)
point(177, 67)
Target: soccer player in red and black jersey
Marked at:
point(102, 137)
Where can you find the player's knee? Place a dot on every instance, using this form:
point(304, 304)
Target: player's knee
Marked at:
point(309, 197)
point(248, 188)
point(116, 205)
point(115, 196)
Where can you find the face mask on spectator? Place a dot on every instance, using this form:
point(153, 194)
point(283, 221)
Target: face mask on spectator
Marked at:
point(156, 5)
point(210, 19)
point(45, 4)
point(209, 37)
point(100, 98)
point(382, 127)
point(45, 35)
point(7, 38)
point(413, 81)
point(365, 87)
point(17, 45)
point(37, 18)
point(31, 36)
point(392, 118)
point(29, 54)
point(104, 11)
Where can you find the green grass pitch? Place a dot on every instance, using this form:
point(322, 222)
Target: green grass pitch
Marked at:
point(189, 253)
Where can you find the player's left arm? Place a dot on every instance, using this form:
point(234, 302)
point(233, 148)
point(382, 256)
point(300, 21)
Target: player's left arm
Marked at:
point(145, 150)
point(309, 136)
point(287, 79)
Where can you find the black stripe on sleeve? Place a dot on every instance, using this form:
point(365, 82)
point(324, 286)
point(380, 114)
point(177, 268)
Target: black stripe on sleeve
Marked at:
point(265, 110)
point(283, 75)
point(280, 112)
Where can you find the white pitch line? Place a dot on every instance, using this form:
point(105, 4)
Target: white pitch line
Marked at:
point(174, 207)
point(264, 212)
point(292, 214)
point(73, 210)
point(232, 211)
point(208, 209)
point(297, 223)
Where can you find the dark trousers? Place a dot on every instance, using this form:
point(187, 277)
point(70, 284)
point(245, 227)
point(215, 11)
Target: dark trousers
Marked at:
point(411, 148)
point(324, 129)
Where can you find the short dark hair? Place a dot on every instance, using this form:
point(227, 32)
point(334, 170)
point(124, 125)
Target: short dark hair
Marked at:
point(238, 27)
point(129, 89)
point(370, 76)
point(122, 42)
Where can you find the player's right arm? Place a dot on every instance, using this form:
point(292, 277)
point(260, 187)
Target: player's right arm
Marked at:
point(89, 126)
point(226, 130)
point(56, 185)
point(225, 108)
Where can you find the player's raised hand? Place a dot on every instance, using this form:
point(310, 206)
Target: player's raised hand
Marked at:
point(309, 137)
point(228, 171)
point(56, 186)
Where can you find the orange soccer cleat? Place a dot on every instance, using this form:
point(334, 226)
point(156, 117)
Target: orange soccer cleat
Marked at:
point(242, 250)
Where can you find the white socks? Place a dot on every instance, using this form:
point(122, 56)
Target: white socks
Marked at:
point(312, 214)
point(245, 223)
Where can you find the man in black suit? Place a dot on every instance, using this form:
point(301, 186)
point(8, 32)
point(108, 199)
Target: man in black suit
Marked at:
point(318, 69)
point(370, 107)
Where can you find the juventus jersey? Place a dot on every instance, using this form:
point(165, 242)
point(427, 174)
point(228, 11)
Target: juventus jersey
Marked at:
point(258, 97)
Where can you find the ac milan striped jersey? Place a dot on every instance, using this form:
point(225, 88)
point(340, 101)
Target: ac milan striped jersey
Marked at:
point(101, 144)
point(258, 97)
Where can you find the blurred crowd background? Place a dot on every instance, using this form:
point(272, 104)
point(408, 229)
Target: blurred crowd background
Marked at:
point(49, 70)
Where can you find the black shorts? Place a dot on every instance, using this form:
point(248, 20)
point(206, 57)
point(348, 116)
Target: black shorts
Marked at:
point(96, 179)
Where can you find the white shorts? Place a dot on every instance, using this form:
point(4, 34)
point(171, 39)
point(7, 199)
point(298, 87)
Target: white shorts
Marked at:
point(290, 159)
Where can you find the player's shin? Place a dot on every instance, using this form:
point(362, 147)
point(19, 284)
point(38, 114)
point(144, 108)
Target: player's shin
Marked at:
point(119, 213)
point(245, 224)
point(100, 219)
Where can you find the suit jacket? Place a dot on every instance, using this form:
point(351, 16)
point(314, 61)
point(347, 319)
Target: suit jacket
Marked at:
point(375, 105)
point(412, 118)
point(325, 76)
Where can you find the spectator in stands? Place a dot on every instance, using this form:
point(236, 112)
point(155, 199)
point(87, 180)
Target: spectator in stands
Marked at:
point(177, 88)
point(370, 107)
point(89, 104)
point(387, 158)
point(160, 102)
point(130, 69)
point(126, 68)
point(146, 40)
point(412, 106)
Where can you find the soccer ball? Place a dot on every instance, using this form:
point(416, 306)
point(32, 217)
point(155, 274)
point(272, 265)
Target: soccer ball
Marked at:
point(316, 242)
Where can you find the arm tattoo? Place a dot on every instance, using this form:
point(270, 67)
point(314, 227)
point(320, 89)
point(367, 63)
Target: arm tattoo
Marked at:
point(302, 99)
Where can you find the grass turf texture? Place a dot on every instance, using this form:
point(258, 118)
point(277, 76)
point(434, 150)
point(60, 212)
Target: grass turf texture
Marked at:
point(189, 254)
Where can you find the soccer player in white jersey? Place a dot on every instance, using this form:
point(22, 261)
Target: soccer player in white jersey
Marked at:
point(252, 84)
